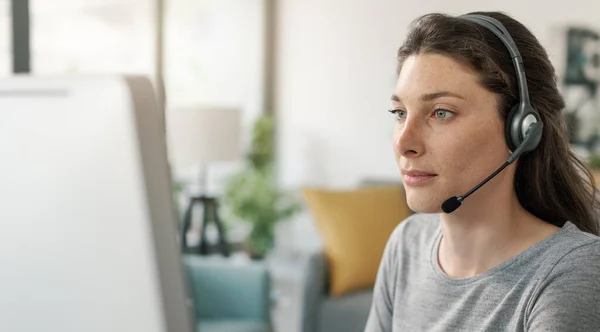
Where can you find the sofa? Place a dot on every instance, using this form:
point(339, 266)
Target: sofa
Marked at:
point(229, 297)
point(321, 312)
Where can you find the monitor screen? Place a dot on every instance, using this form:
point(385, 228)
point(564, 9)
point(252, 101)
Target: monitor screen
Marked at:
point(89, 235)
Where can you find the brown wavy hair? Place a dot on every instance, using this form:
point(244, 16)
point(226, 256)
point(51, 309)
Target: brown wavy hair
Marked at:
point(551, 182)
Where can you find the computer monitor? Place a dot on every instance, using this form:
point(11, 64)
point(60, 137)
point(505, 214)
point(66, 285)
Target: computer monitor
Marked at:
point(89, 236)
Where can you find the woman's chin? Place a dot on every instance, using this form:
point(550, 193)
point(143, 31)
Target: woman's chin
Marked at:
point(423, 205)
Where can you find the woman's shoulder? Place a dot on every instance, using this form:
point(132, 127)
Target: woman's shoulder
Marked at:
point(570, 284)
point(573, 255)
point(575, 242)
point(576, 245)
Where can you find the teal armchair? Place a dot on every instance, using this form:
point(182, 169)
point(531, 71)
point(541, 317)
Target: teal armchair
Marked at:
point(229, 297)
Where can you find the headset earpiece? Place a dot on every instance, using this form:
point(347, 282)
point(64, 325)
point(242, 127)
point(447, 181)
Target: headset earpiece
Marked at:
point(512, 144)
point(518, 122)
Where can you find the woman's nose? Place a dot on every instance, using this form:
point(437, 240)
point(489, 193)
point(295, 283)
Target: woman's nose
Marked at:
point(409, 138)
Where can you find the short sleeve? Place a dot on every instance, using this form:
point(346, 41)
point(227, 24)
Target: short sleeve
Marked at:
point(569, 298)
point(380, 315)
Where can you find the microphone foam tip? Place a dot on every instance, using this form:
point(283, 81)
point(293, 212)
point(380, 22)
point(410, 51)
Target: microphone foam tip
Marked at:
point(451, 204)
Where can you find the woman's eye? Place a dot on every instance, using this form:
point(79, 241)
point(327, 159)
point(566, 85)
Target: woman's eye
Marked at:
point(400, 114)
point(443, 114)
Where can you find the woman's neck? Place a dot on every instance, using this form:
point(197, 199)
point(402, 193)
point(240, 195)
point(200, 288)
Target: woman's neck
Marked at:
point(483, 234)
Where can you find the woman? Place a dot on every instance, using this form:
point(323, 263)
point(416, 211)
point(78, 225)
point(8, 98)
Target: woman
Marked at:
point(521, 253)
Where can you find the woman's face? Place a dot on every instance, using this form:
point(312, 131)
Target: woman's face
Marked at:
point(448, 135)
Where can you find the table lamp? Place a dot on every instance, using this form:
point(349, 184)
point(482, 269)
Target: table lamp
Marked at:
point(196, 138)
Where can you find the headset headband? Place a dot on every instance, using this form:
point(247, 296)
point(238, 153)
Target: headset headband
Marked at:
point(498, 29)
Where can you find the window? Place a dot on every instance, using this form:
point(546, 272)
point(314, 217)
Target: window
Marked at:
point(92, 36)
point(5, 38)
point(213, 53)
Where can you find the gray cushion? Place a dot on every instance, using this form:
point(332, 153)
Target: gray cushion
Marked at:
point(232, 326)
point(347, 313)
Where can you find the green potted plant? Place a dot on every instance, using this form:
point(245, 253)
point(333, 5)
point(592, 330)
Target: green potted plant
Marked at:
point(252, 195)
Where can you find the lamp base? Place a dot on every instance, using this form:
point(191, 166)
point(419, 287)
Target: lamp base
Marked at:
point(210, 214)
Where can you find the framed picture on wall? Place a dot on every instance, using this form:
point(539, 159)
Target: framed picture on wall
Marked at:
point(580, 78)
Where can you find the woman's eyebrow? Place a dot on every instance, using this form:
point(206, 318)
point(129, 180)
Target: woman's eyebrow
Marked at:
point(432, 96)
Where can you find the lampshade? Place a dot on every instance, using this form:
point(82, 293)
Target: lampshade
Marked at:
point(203, 135)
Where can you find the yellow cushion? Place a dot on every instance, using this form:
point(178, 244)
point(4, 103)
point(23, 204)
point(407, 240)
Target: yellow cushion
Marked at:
point(355, 226)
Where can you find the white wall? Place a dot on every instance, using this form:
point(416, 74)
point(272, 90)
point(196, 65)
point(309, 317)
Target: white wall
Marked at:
point(336, 72)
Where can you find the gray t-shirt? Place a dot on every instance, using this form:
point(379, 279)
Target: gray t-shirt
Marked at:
point(552, 286)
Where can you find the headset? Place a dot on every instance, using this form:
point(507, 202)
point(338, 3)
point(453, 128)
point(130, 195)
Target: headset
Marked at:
point(522, 115)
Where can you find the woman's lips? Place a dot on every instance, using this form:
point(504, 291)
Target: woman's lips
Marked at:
point(416, 177)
